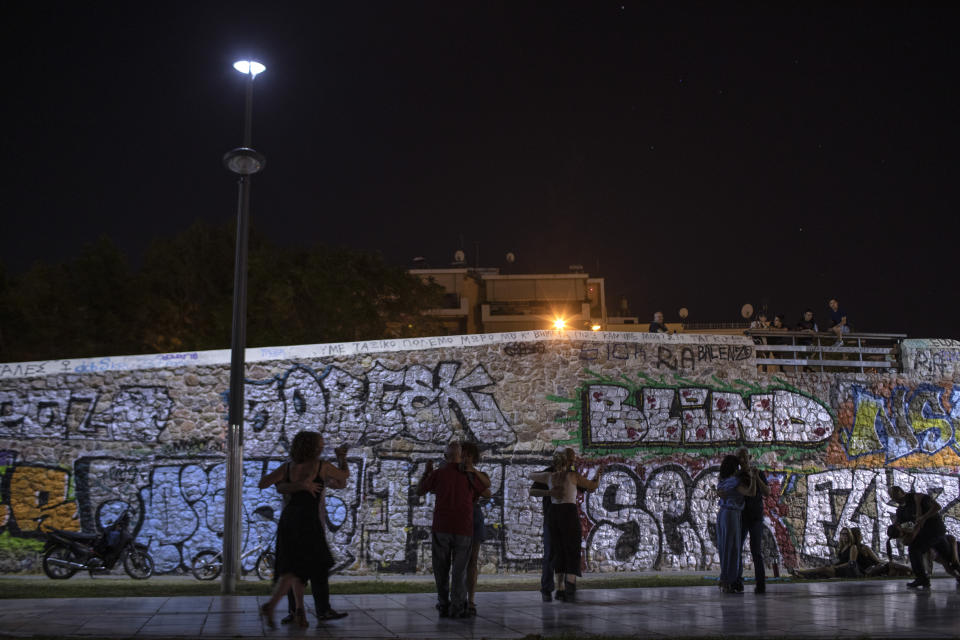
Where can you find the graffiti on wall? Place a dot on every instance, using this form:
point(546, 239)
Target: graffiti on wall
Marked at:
point(152, 447)
point(859, 498)
point(623, 415)
point(655, 515)
point(922, 419)
point(34, 497)
point(415, 402)
point(136, 413)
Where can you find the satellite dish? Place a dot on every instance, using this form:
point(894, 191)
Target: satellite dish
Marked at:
point(511, 258)
point(683, 313)
point(747, 311)
point(459, 257)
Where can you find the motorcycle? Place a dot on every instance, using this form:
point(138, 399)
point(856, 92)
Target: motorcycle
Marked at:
point(67, 552)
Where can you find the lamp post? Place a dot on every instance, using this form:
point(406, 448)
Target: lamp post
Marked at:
point(244, 162)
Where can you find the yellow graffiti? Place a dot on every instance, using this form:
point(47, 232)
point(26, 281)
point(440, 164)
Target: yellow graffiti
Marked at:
point(863, 437)
point(39, 499)
point(921, 423)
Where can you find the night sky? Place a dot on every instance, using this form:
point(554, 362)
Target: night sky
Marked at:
point(694, 155)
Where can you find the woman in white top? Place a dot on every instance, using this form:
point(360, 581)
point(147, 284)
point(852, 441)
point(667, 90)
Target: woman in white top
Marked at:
point(564, 521)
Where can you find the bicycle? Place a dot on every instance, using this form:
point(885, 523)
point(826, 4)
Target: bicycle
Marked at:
point(208, 563)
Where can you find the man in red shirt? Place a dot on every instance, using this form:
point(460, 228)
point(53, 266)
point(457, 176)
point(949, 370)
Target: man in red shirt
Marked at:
point(455, 492)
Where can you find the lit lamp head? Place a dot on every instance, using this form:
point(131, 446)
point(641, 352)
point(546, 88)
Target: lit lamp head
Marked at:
point(559, 324)
point(249, 67)
point(244, 161)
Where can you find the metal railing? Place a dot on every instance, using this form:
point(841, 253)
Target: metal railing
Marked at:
point(810, 351)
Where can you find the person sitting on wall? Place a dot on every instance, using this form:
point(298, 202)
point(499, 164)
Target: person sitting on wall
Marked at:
point(926, 531)
point(329, 477)
point(838, 317)
point(845, 567)
point(471, 455)
point(657, 326)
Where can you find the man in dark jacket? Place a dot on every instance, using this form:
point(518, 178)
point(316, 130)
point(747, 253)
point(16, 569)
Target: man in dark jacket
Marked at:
point(751, 522)
point(928, 531)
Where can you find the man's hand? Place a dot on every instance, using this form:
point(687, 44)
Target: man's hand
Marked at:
point(312, 487)
point(341, 451)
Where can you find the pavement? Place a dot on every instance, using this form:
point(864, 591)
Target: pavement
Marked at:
point(831, 609)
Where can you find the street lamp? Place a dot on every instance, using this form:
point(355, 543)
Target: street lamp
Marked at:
point(244, 162)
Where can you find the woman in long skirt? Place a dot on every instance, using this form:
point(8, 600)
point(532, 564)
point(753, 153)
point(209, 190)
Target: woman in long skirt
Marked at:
point(566, 536)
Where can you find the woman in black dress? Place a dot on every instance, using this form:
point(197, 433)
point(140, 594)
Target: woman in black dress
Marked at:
point(302, 550)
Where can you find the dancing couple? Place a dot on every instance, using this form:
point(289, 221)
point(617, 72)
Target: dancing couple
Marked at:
point(302, 550)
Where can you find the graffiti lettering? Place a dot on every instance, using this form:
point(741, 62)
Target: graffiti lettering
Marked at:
point(858, 498)
point(906, 422)
point(689, 356)
point(524, 348)
point(617, 417)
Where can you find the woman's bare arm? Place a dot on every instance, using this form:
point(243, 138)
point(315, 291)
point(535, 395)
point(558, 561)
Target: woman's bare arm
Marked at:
point(586, 483)
point(273, 477)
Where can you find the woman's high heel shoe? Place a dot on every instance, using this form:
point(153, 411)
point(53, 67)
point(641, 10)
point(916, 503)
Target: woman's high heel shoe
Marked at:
point(266, 612)
point(301, 617)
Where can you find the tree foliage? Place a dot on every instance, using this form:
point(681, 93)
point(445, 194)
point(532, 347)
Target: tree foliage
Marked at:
point(181, 298)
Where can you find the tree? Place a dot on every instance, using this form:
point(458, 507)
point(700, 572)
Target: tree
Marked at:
point(84, 307)
point(181, 299)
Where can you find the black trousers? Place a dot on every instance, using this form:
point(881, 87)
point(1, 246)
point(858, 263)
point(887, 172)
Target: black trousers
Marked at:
point(920, 547)
point(755, 529)
point(320, 587)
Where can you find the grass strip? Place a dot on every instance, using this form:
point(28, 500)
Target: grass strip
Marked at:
point(121, 588)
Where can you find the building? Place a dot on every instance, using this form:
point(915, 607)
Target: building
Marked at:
point(485, 301)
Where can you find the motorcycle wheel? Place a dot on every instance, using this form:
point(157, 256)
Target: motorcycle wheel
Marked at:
point(265, 564)
point(206, 565)
point(138, 564)
point(56, 572)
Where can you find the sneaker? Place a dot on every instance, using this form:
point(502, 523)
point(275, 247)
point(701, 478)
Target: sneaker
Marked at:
point(760, 588)
point(332, 614)
point(545, 596)
point(919, 584)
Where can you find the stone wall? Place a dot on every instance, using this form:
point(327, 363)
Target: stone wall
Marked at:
point(82, 439)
